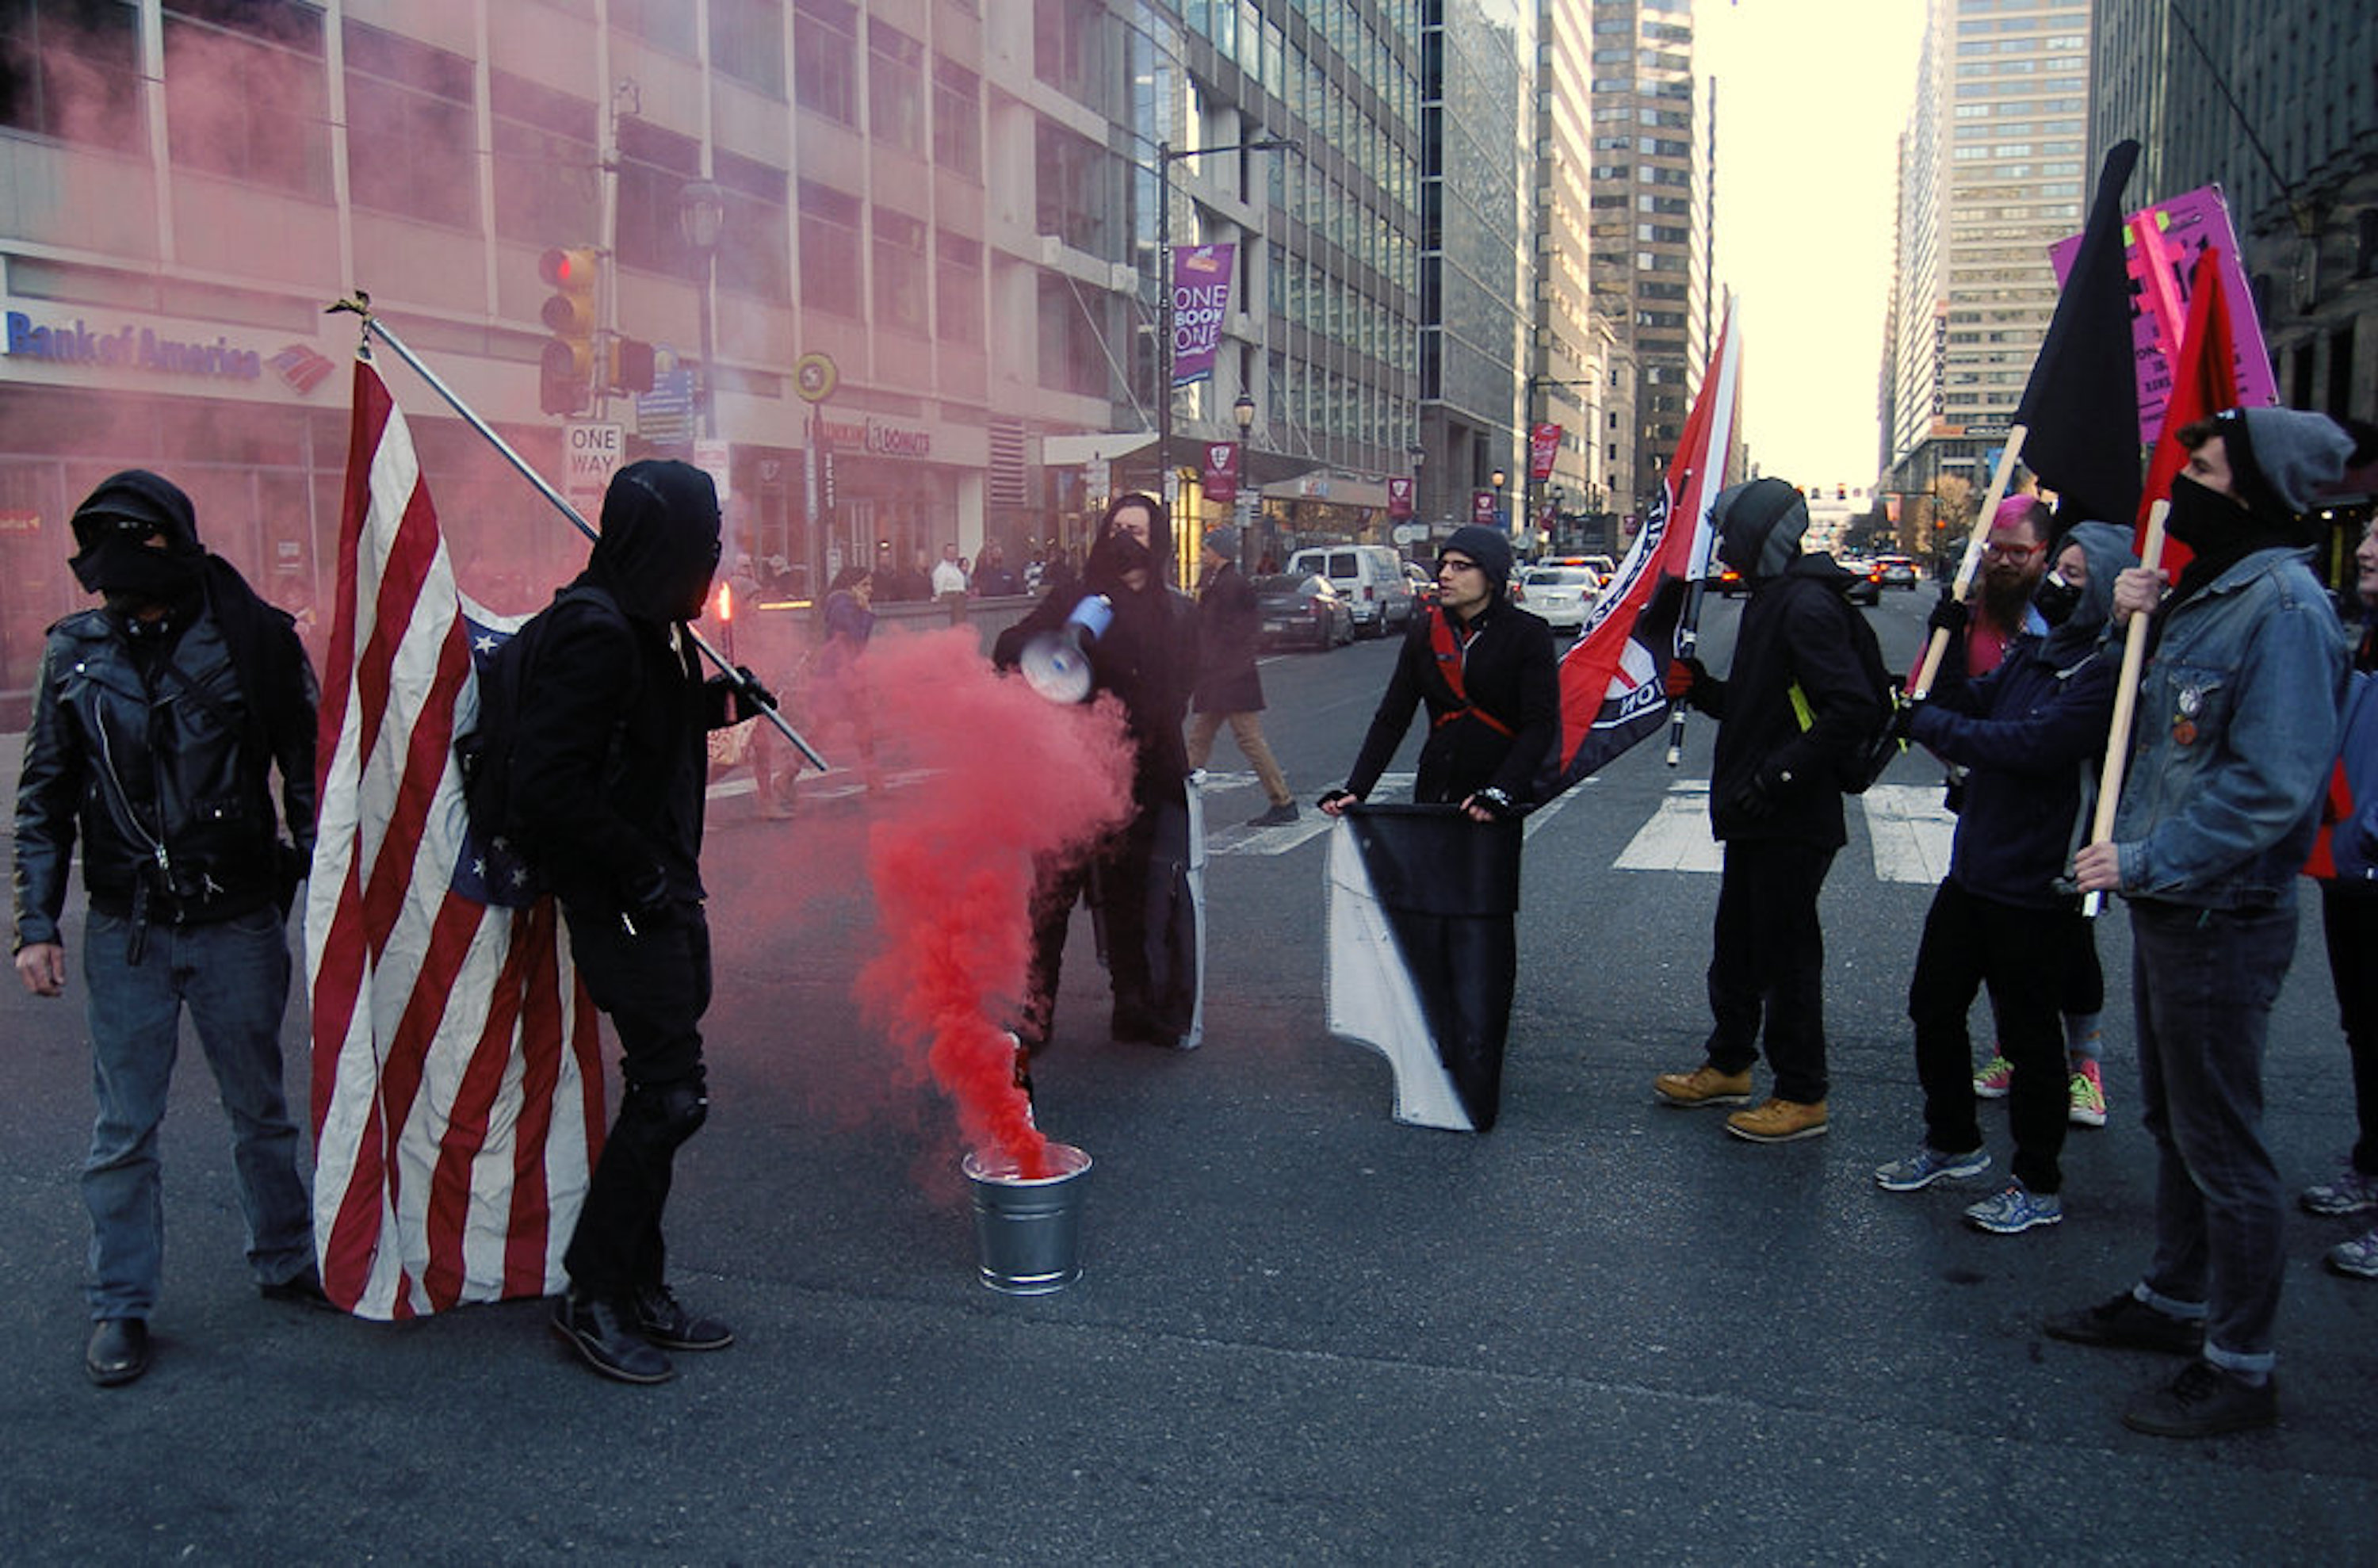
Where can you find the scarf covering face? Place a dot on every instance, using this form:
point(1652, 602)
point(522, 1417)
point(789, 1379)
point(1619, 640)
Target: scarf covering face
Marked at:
point(111, 525)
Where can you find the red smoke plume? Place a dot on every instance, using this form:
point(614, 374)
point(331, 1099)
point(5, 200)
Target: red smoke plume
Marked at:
point(1007, 774)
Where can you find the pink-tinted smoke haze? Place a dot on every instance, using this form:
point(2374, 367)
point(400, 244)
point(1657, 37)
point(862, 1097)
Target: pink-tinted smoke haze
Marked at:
point(1006, 776)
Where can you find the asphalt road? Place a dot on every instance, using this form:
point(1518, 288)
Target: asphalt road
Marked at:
point(1605, 1332)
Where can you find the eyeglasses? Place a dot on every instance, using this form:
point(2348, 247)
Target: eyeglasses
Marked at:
point(1454, 563)
point(2012, 552)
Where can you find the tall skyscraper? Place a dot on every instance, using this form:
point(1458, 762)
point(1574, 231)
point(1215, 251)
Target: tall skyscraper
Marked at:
point(1992, 173)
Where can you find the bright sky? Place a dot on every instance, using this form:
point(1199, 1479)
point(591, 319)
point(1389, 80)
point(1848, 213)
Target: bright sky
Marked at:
point(1812, 97)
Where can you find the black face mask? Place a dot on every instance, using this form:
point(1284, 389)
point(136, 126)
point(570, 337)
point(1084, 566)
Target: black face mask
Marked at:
point(2202, 518)
point(121, 566)
point(2056, 598)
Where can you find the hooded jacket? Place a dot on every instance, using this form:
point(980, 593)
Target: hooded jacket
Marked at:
point(2033, 732)
point(612, 759)
point(161, 760)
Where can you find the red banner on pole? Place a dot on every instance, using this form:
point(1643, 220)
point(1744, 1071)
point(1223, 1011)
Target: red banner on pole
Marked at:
point(1400, 495)
point(1222, 471)
point(1544, 446)
point(1483, 510)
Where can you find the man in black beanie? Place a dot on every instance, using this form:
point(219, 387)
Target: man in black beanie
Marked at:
point(1486, 669)
point(2229, 764)
point(1799, 705)
point(159, 721)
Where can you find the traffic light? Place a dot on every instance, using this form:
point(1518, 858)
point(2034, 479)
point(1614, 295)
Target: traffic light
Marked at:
point(630, 366)
point(567, 366)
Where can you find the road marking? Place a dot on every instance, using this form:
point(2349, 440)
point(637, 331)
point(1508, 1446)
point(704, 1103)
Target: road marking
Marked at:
point(1911, 831)
point(1677, 837)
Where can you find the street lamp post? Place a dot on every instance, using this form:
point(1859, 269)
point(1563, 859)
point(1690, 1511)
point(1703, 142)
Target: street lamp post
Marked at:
point(1166, 156)
point(701, 213)
point(1497, 479)
point(1558, 495)
point(1243, 413)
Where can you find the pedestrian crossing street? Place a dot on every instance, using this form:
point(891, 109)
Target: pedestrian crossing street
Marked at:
point(1907, 828)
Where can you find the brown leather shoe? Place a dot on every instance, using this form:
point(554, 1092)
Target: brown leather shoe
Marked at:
point(1778, 1121)
point(1704, 1086)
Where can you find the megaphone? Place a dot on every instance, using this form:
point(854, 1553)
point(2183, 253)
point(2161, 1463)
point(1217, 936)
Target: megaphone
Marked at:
point(1057, 664)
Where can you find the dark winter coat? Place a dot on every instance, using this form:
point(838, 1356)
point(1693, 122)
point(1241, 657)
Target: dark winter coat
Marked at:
point(1795, 631)
point(612, 757)
point(166, 773)
point(1508, 672)
point(1228, 622)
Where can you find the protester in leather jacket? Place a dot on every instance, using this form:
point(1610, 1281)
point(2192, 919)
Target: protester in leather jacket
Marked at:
point(158, 721)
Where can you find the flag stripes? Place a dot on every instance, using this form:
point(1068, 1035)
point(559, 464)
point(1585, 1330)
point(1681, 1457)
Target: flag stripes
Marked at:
point(457, 1085)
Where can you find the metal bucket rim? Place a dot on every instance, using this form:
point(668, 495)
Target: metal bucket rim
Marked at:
point(1075, 1161)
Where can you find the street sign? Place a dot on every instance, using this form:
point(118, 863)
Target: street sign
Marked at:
point(591, 455)
point(710, 455)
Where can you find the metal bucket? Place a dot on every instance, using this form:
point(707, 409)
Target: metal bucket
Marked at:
point(1028, 1232)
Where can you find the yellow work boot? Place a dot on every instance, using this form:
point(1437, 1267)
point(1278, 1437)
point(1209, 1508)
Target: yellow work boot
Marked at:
point(1778, 1121)
point(1704, 1086)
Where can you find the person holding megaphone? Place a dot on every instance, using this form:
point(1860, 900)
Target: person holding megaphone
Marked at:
point(1120, 630)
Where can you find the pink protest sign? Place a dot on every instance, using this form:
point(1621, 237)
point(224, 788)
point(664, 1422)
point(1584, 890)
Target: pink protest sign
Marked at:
point(2162, 245)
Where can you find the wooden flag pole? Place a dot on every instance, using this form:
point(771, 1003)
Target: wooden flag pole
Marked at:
point(2126, 705)
point(1971, 566)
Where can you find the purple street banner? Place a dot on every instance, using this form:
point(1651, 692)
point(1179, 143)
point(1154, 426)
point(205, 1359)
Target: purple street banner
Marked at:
point(1483, 510)
point(1400, 495)
point(1201, 297)
point(2161, 245)
point(1222, 471)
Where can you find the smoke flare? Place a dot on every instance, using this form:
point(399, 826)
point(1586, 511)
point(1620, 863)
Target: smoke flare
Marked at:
point(1006, 776)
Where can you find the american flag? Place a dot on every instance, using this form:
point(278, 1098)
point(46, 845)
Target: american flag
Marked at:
point(457, 1079)
point(1612, 689)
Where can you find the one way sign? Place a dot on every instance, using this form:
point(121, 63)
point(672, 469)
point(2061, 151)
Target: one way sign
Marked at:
point(592, 452)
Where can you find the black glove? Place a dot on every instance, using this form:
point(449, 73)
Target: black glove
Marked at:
point(1950, 615)
point(1497, 802)
point(292, 866)
point(1338, 797)
point(1762, 796)
point(751, 697)
point(1903, 717)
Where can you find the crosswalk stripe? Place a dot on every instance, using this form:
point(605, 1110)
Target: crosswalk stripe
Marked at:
point(1911, 831)
point(1677, 837)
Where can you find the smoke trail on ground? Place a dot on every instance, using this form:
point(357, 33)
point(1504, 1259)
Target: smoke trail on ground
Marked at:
point(1006, 776)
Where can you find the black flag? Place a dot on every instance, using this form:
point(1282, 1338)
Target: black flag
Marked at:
point(2081, 405)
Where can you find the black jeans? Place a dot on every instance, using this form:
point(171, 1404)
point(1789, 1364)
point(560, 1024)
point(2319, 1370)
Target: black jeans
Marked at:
point(1769, 962)
point(2349, 921)
point(1121, 868)
point(2025, 957)
point(656, 986)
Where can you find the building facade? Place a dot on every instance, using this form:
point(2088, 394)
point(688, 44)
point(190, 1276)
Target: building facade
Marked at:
point(1992, 173)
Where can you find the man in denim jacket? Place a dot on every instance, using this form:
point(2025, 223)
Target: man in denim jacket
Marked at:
point(2229, 758)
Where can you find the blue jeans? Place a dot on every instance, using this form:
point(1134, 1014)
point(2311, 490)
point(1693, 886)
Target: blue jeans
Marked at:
point(234, 977)
point(2203, 985)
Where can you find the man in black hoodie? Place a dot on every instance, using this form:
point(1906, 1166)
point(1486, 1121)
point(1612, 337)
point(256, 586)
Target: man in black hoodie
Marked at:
point(1798, 708)
point(610, 762)
point(158, 719)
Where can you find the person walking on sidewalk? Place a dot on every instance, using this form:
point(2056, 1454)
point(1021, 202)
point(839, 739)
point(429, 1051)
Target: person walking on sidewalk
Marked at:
point(1229, 689)
point(2229, 764)
point(159, 721)
point(1799, 705)
point(2030, 733)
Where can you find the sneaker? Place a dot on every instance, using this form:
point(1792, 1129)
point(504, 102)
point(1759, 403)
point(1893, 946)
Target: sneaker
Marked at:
point(1778, 1121)
point(2204, 1401)
point(598, 1330)
point(2357, 1256)
point(1704, 1086)
point(1278, 816)
point(2128, 1323)
point(2088, 1096)
point(2015, 1207)
point(664, 1321)
point(2350, 1193)
point(1992, 1082)
point(1927, 1166)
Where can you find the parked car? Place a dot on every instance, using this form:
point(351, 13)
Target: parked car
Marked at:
point(1303, 609)
point(1724, 580)
point(1896, 570)
point(1423, 585)
point(1369, 576)
point(1866, 581)
point(1561, 595)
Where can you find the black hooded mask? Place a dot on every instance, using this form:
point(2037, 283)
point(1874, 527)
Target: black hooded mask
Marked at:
point(111, 528)
point(659, 548)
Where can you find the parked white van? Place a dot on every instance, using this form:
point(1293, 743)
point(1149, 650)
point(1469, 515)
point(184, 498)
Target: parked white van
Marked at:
point(1372, 578)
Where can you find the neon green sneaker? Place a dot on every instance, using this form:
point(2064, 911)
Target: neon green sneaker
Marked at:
point(1992, 1082)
